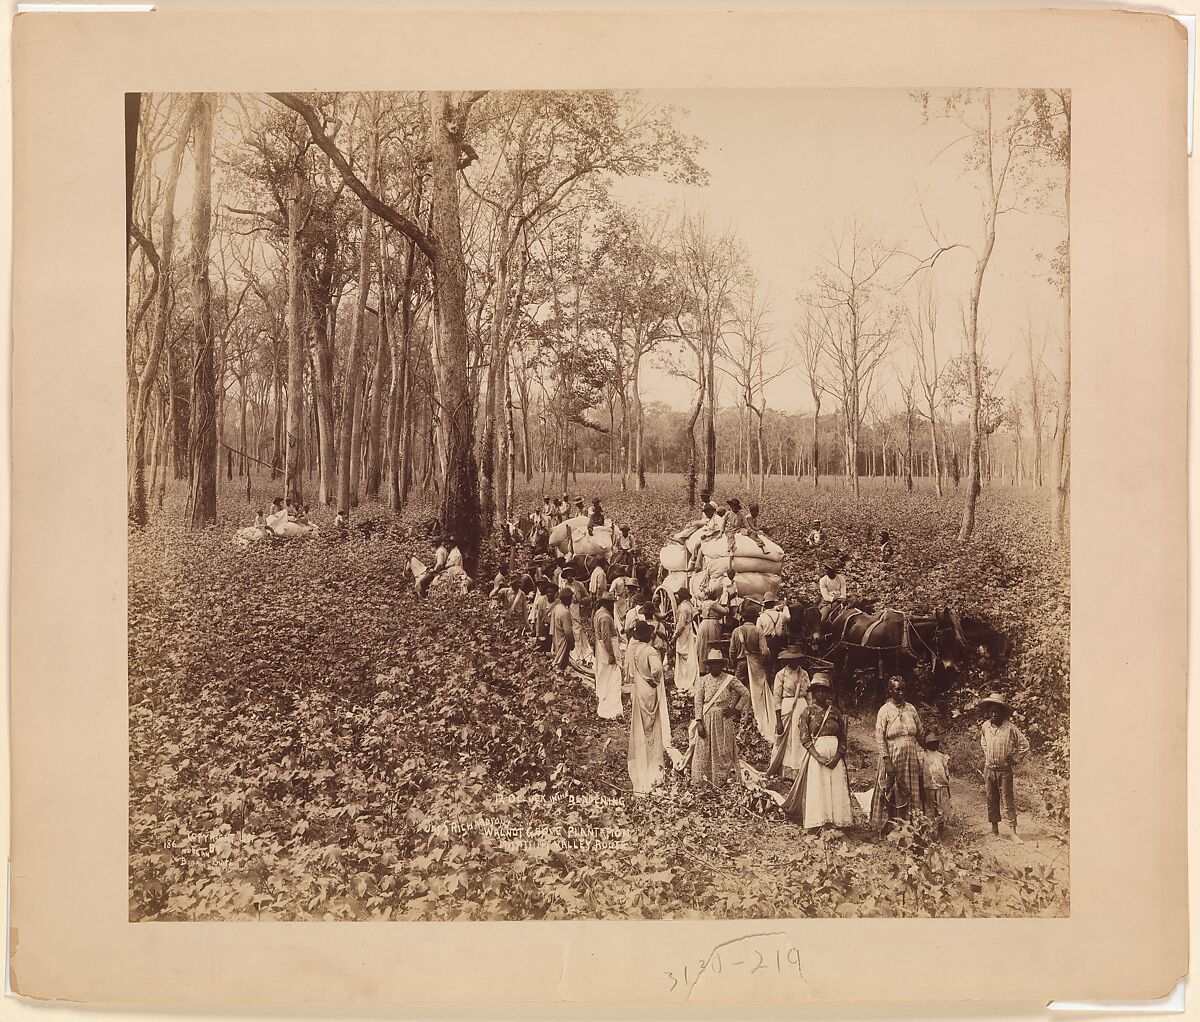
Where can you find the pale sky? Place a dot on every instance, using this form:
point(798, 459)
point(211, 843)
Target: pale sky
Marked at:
point(786, 164)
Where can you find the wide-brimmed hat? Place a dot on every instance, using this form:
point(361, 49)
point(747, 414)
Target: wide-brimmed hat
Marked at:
point(715, 656)
point(769, 601)
point(790, 653)
point(932, 736)
point(642, 629)
point(996, 699)
point(820, 680)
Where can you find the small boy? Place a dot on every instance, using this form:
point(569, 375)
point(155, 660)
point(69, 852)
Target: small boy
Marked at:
point(935, 774)
point(1003, 748)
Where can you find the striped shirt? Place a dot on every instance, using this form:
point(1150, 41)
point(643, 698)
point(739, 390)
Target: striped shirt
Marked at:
point(1004, 746)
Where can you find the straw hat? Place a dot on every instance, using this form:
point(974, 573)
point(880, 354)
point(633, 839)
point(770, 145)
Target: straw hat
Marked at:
point(996, 699)
point(790, 653)
point(820, 680)
point(715, 656)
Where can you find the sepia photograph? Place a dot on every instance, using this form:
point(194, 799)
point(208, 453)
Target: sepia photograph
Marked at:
point(645, 504)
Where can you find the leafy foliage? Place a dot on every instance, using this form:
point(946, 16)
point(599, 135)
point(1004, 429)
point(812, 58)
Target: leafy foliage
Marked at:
point(309, 740)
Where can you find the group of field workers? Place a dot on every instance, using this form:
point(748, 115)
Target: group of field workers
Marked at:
point(731, 662)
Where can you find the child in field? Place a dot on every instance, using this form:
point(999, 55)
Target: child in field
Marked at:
point(935, 770)
point(1004, 746)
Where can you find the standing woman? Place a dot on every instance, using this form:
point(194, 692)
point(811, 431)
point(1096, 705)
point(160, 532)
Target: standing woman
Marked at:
point(687, 670)
point(790, 693)
point(649, 723)
point(708, 634)
point(899, 790)
point(820, 794)
point(562, 632)
point(608, 671)
point(747, 644)
point(583, 646)
point(720, 701)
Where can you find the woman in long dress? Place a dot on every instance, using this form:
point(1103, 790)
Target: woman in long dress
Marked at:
point(562, 632)
point(820, 794)
point(720, 701)
point(687, 671)
point(708, 634)
point(899, 789)
point(582, 652)
point(649, 722)
point(790, 693)
point(608, 670)
point(748, 644)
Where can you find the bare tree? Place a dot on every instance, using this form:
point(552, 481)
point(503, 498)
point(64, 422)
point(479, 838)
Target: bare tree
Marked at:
point(848, 289)
point(999, 152)
point(1035, 386)
point(203, 435)
point(811, 341)
point(710, 263)
point(922, 336)
point(750, 349)
point(908, 391)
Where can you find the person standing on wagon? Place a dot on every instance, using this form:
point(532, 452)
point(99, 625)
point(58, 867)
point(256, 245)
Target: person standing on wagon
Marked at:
point(1004, 747)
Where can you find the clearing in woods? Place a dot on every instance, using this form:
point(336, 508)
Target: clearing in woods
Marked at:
point(309, 740)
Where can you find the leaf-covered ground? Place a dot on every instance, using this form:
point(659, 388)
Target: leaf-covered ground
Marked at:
point(308, 740)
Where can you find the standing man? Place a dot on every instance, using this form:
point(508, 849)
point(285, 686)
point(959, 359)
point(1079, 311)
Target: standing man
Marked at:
point(562, 630)
point(1004, 746)
point(598, 583)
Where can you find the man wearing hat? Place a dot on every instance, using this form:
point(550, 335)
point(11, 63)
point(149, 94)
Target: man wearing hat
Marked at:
point(1004, 746)
point(771, 623)
point(832, 585)
point(789, 693)
point(607, 669)
point(720, 701)
point(562, 630)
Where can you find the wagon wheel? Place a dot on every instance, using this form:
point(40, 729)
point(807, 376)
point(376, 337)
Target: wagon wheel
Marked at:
point(665, 604)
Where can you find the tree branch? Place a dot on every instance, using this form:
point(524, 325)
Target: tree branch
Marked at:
point(394, 217)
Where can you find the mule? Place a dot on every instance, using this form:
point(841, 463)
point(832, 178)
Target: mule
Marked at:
point(895, 642)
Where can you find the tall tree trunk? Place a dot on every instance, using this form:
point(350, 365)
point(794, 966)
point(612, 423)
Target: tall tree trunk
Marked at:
point(204, 398)
point(691, 433)
point(148, 378)
point(710, 425)
point(510, 461)
point(375, 420)
point(639, 425)
point(293, 471)
point(351, 437)
point(460, 496)
point(933, 448)
point(1060, 461)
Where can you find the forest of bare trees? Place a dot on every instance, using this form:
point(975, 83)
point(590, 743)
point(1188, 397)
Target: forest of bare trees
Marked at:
point(367, 295)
